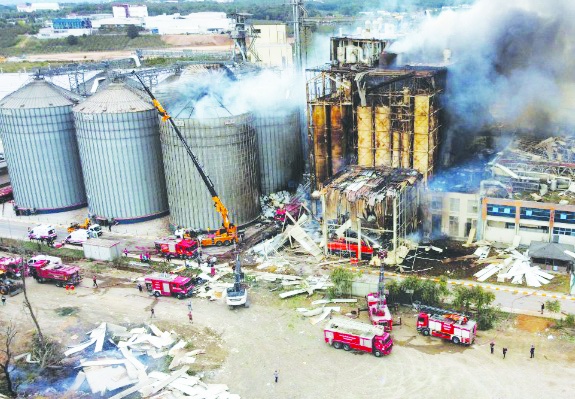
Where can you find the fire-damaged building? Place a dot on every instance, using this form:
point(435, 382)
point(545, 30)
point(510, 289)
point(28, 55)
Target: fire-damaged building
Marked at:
point(362, 111)
point(379, 201)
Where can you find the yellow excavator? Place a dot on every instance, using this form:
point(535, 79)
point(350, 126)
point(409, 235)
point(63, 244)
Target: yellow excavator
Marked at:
point(228, 233)
point(78, 226)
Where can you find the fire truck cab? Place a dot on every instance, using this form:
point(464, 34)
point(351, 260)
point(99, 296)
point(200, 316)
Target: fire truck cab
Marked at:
point(165, 284)
point(452, 327)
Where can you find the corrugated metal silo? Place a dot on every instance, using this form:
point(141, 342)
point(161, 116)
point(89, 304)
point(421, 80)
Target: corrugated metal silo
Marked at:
point(279, 146)
point(227, 149)
point(118, 136)
point(37, 130)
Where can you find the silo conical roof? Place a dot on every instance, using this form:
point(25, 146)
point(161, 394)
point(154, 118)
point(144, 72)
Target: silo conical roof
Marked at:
point(117, 98)
point(39, 94)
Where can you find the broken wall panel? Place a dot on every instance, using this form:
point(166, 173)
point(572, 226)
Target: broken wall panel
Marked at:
point(338, 137)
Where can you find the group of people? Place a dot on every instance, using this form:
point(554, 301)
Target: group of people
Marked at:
point(492, 347)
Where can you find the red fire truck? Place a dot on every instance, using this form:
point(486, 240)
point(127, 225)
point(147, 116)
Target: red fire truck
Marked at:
point(448, 325)
point(379, 313)
point(349, 247)
point(44, 271)
point(165, 284)
point(177, 248)
point(349, 334)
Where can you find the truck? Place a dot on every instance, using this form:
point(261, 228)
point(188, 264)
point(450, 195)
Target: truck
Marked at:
point(11, 267)
point(42, 232)
point(86, 225)
point(349, 247)
point(44, 271)
point(181, 248)
point(79, 237)
point(350, 334)
point(238, 294)
point(379, 313)
point(228, 232)
point(50, 259)
point(445, 324)
point(165, 284)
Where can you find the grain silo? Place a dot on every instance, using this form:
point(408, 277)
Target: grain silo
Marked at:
point(227, 149)
point(37, 130)
point(279, 147)
point(119, 141)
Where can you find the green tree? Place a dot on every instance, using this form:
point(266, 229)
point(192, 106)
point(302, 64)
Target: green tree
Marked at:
point(132, 31)
point(342, 280)
point(72, 40)
point(553, 306)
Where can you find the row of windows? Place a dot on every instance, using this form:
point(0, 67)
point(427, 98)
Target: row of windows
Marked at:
point(531, 213)
point(563, 231)
point(499, 210)
point(535, 214)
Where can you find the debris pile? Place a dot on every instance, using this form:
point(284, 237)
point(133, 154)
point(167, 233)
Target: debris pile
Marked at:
point(512, 266)
point(128, 359)
point(270, 203)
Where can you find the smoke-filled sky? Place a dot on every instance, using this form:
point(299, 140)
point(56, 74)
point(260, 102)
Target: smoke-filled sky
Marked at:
point(512, 61)
point(213, 94)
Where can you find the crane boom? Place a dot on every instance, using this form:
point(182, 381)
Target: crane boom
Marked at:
point(220, 207)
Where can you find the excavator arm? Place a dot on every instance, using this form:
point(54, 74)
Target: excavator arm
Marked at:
point(220, 207)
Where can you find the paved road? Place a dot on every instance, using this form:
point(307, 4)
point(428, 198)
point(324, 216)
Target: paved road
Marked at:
point(510, 298)
point(513, 299)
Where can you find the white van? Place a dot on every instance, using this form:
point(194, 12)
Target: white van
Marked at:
point(78, 237)
point(95, 231)
point(42, 232)
point(54, 260)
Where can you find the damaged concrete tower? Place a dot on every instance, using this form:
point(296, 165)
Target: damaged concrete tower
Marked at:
point(360, 113)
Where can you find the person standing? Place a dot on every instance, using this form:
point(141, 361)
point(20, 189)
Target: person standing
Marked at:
point(3, 300)
point(542, 308)
point(276, 376)
point(95, 280)
point(504, 352)
point(140, 287)
point(190, 317)
point(110, 225)
point(492, 346)
point(190, 305)
point(532, 351)
point(126, 252)
point(152, 313)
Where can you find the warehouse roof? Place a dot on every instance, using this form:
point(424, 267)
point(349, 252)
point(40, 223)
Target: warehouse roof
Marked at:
point(39, 94)
point(117, 98)
point(550, 250)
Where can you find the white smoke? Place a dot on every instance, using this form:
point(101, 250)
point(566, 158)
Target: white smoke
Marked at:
point(216, 94)
point(512, 61)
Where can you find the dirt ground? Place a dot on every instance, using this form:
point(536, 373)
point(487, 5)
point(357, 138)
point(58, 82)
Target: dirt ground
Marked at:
point(197, 40)
point(245, 346)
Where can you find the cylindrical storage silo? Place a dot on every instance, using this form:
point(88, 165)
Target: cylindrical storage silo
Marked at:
point(37, 130)
point(227, 149)
point(119, 141)
point(279, 147)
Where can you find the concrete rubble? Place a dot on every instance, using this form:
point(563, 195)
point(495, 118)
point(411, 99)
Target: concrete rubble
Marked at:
point(123, 360)
point(512, 266)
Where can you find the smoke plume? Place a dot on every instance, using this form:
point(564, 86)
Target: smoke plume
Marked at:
point(512, 62)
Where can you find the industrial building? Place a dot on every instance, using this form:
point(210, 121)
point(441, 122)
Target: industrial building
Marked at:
point(64, 27)
point(39, 138)
point(362, 111)
point(270, 47)
point(379, 200)
point(119, 143)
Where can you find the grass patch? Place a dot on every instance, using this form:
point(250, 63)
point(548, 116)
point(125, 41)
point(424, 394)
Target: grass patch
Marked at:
point(67, 311)
point(33, 45)
point(26, 66)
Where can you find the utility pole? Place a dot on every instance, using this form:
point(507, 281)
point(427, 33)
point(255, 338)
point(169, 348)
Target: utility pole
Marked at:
point(298, 13)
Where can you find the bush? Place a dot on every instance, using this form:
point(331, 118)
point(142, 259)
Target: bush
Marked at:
point(132, 31)
point(570, 320)
point(72, 40)
point(342, 280)
point(553, 306)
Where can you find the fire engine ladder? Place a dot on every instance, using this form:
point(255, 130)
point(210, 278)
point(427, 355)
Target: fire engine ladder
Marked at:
point(433, 310)
point(381, 287)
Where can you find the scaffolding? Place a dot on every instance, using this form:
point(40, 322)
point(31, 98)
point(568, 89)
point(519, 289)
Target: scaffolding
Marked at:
point(373, 117)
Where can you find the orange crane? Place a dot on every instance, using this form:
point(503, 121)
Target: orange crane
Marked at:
point(229, 232)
